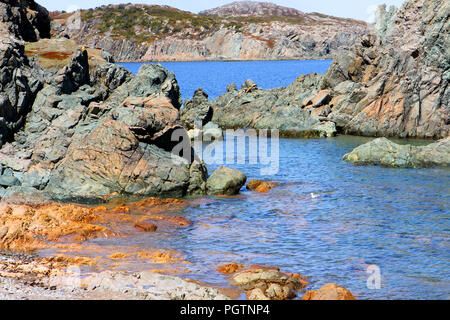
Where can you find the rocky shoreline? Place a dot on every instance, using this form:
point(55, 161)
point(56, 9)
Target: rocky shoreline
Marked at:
point(77, 128)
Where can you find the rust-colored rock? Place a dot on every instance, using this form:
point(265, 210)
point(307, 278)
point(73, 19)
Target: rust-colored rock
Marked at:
point(230, 268)
point(171, 220)
point(26, 228)
point(261, 186)
point(119, 255)
point(329, 291)
point(145, 226)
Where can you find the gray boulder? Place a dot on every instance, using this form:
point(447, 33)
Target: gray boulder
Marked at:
point(25, 195)
point(9, 181)
point(384, 152)
point(225, 181)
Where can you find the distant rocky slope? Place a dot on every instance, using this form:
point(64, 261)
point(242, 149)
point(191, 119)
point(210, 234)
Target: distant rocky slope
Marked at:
point(265, 31)
point(253, 9)
point(393, 83)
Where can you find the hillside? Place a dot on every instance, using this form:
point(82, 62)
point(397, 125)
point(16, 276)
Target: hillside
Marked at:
point(265, 31)
point(253, 9)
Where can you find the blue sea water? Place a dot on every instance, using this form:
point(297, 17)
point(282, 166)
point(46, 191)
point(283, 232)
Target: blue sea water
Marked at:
point(328, 220)
point(214, 76)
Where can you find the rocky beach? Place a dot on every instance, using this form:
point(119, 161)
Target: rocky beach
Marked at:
point(90, 170)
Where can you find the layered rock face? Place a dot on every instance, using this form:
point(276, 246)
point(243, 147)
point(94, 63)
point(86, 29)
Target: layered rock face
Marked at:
point(25, 19)
point(276, 40)
point(396, 83)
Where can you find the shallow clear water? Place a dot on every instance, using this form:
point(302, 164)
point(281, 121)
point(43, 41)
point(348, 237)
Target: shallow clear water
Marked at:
point(328, 220)
point(215, 76)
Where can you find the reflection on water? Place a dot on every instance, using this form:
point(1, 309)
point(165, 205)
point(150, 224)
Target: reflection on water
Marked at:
point(328, 220)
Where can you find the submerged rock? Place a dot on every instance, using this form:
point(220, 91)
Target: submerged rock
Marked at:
point(329, 291)
point(146, 226)
point(261, 186)
point(386, 153)
point(225, 181)
point(230, 268)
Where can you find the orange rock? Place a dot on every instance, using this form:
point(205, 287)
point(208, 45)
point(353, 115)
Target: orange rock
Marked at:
point(119, 255)
point(173, 220)
point(27, 228)
point(158, 257)
point(146, 226)
point(122, 209)
point(230, 268)
point(156, 205)
point(329, 291)
point(261, 186)
point(63, 260)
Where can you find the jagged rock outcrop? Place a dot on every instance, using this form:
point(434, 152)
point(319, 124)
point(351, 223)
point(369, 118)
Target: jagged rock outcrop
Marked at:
point(19, 84)
point(162, 33)
point(396, 83)
point(281, 108)
point(92, 134)
point(25, 19)
point(386, 153)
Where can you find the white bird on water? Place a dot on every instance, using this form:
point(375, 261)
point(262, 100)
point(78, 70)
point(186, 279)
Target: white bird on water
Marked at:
point(313, 196)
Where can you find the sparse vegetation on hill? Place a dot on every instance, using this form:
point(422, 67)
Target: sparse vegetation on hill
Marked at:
point(146, 23)
point(145, 32)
